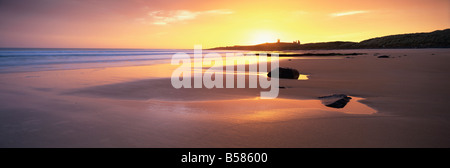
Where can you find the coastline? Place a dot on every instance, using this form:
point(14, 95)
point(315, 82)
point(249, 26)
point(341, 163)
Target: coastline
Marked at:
point(128, 107)
point(435, 39)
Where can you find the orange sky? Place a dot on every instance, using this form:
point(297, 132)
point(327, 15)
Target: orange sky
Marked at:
point(184, 23)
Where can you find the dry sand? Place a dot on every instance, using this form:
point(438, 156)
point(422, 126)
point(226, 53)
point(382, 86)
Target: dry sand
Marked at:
point(398, 102)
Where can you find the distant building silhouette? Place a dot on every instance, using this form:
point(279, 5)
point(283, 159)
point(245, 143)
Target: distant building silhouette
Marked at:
point(293, 42)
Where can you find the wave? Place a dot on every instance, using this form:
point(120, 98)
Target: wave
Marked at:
point(25, 59)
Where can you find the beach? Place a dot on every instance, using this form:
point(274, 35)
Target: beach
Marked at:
point(400, 101)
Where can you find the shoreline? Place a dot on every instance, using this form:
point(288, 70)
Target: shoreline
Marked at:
point(137, 107)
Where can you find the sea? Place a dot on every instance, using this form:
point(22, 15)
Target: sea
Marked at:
point(39, 59)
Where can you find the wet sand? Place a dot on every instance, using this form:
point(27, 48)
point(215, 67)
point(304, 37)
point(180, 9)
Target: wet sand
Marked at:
point(398, 102)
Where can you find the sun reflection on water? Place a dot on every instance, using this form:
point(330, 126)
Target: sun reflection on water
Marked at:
point(257, 109)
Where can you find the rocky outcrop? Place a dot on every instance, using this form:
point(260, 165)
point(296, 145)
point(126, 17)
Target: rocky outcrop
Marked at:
point(383, 56)
point(335, 100)
point(286, 73)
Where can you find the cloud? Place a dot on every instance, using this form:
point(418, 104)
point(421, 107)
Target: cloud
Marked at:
point(348, 13)
point(174, 16)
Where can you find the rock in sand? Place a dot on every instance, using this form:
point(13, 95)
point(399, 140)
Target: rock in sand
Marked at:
point(383, 56)
point(287, 73)
point(335, 100)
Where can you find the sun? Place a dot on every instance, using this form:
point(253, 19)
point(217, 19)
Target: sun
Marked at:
point(264, 36)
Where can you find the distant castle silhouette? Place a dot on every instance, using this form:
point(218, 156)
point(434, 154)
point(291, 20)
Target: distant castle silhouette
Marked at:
point(294, 42)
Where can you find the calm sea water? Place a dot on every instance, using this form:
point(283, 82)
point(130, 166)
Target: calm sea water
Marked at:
point(22, 60)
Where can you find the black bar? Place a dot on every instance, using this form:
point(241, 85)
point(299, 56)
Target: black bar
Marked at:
point(173, 157)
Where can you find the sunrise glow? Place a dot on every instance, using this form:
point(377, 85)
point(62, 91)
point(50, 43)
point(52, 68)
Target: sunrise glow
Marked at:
point(264, 37)
point(182, 23)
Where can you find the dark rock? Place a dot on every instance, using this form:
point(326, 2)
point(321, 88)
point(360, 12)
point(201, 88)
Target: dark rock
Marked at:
point(383, 56)
point(335, 100)
point(320, 54)
point(287, 73)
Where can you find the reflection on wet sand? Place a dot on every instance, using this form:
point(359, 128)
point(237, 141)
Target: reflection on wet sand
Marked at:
point(255, 109)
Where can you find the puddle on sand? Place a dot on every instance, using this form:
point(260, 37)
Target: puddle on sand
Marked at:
point(303, 77)
point(255, 109)
point(354, 107)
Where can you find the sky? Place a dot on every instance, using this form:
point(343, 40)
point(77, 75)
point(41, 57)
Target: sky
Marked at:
point(170, 24)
